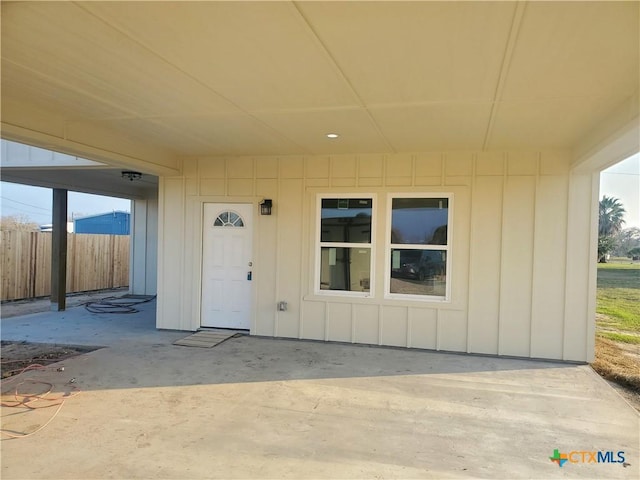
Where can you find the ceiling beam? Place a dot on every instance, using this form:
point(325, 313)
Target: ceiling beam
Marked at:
point(153, 163)
point(89, 181)
point(510, 47)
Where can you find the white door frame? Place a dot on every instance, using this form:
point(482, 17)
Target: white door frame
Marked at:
point(247, 210)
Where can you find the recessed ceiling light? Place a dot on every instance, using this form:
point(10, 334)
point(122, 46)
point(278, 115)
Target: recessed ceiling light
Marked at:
point(332, 135)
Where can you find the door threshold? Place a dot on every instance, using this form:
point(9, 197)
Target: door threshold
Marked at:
point(225, 330)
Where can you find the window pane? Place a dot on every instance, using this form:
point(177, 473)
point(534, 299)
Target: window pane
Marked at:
point(419, 272)
point(345, 269)
point(346, 220)
point(419, 221)
point(228, 219)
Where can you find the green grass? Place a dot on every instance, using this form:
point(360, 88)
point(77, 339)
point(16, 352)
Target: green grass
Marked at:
point(618, 298)
point(621, 337)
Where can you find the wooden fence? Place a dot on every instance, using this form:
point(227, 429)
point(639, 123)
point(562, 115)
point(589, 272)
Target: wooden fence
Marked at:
point(94, 262)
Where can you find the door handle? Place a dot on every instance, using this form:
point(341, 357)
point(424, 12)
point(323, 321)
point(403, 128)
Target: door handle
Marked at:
point(249, 275)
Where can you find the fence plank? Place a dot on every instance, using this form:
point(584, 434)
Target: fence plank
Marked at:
point(94, 262)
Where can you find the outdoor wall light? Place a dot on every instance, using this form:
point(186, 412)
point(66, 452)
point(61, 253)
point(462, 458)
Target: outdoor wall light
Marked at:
point(131, 175)
point(265, 206)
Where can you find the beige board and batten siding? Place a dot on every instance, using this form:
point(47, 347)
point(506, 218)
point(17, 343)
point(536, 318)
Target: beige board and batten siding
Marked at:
point(519, 253)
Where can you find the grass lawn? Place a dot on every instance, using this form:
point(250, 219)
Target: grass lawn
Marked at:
point(618, 301)
point(618, 323)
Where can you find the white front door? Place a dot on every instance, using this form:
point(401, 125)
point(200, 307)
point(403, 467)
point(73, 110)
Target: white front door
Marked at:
point(227, 265)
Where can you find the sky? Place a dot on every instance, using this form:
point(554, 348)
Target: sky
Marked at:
point(621, 181)
point(35, 203)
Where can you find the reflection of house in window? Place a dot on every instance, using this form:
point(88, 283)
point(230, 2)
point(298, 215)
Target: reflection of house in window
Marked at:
point(345, 244)
point(419, 246)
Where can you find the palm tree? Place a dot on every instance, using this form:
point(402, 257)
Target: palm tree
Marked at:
point(611, 218)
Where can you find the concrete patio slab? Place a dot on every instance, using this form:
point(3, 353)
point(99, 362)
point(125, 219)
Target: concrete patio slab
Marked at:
point(269, 408)
point(77, 326)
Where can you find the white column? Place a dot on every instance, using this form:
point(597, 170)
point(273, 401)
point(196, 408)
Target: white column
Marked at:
point(144, 247)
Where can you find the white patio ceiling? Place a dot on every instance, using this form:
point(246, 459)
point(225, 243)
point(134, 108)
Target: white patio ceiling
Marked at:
point(159, 80)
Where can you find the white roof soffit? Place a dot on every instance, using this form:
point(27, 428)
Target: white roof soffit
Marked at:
point(18, 155)
point(144, 84)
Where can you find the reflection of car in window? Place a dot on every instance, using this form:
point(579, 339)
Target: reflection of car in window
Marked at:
point(420, 264)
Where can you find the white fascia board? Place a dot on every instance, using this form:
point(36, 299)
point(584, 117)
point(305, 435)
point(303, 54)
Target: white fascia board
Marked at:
point(615, 139)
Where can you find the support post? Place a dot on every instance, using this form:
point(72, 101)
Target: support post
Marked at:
point(59, 251)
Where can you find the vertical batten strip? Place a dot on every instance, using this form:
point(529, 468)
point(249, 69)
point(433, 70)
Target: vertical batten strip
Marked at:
point(304, 225)
point(380, 320)
point(353, 323)
point(326, 321)
point(533, 257)
point(505, 167)
point(593, 269)
point(276, 317)
point(474, 161)
point(438, 329)
point(564, 269)
point(160, 302)
point(183, 267)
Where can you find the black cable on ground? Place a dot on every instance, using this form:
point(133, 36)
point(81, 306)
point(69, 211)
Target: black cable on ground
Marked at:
point(118, 305)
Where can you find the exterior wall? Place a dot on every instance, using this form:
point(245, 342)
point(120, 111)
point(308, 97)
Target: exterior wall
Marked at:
point(115, 223)
point(520, 251)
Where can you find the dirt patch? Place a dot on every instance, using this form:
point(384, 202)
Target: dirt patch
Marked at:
point(16, 356)
point(620, 363)
point(633, 398)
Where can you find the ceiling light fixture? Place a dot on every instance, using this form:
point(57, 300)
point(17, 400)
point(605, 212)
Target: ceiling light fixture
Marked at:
point(332, 135)
point(131, 175)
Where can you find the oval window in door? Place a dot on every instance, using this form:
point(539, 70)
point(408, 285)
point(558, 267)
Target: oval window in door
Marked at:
point(228, 219)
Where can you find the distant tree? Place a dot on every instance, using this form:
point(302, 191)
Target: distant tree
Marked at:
point(626, 240)
point(611, 218)
point(18, 222)
point(634, 253)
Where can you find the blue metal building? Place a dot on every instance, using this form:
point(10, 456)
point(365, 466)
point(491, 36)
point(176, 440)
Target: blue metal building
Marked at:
point(113, 223)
